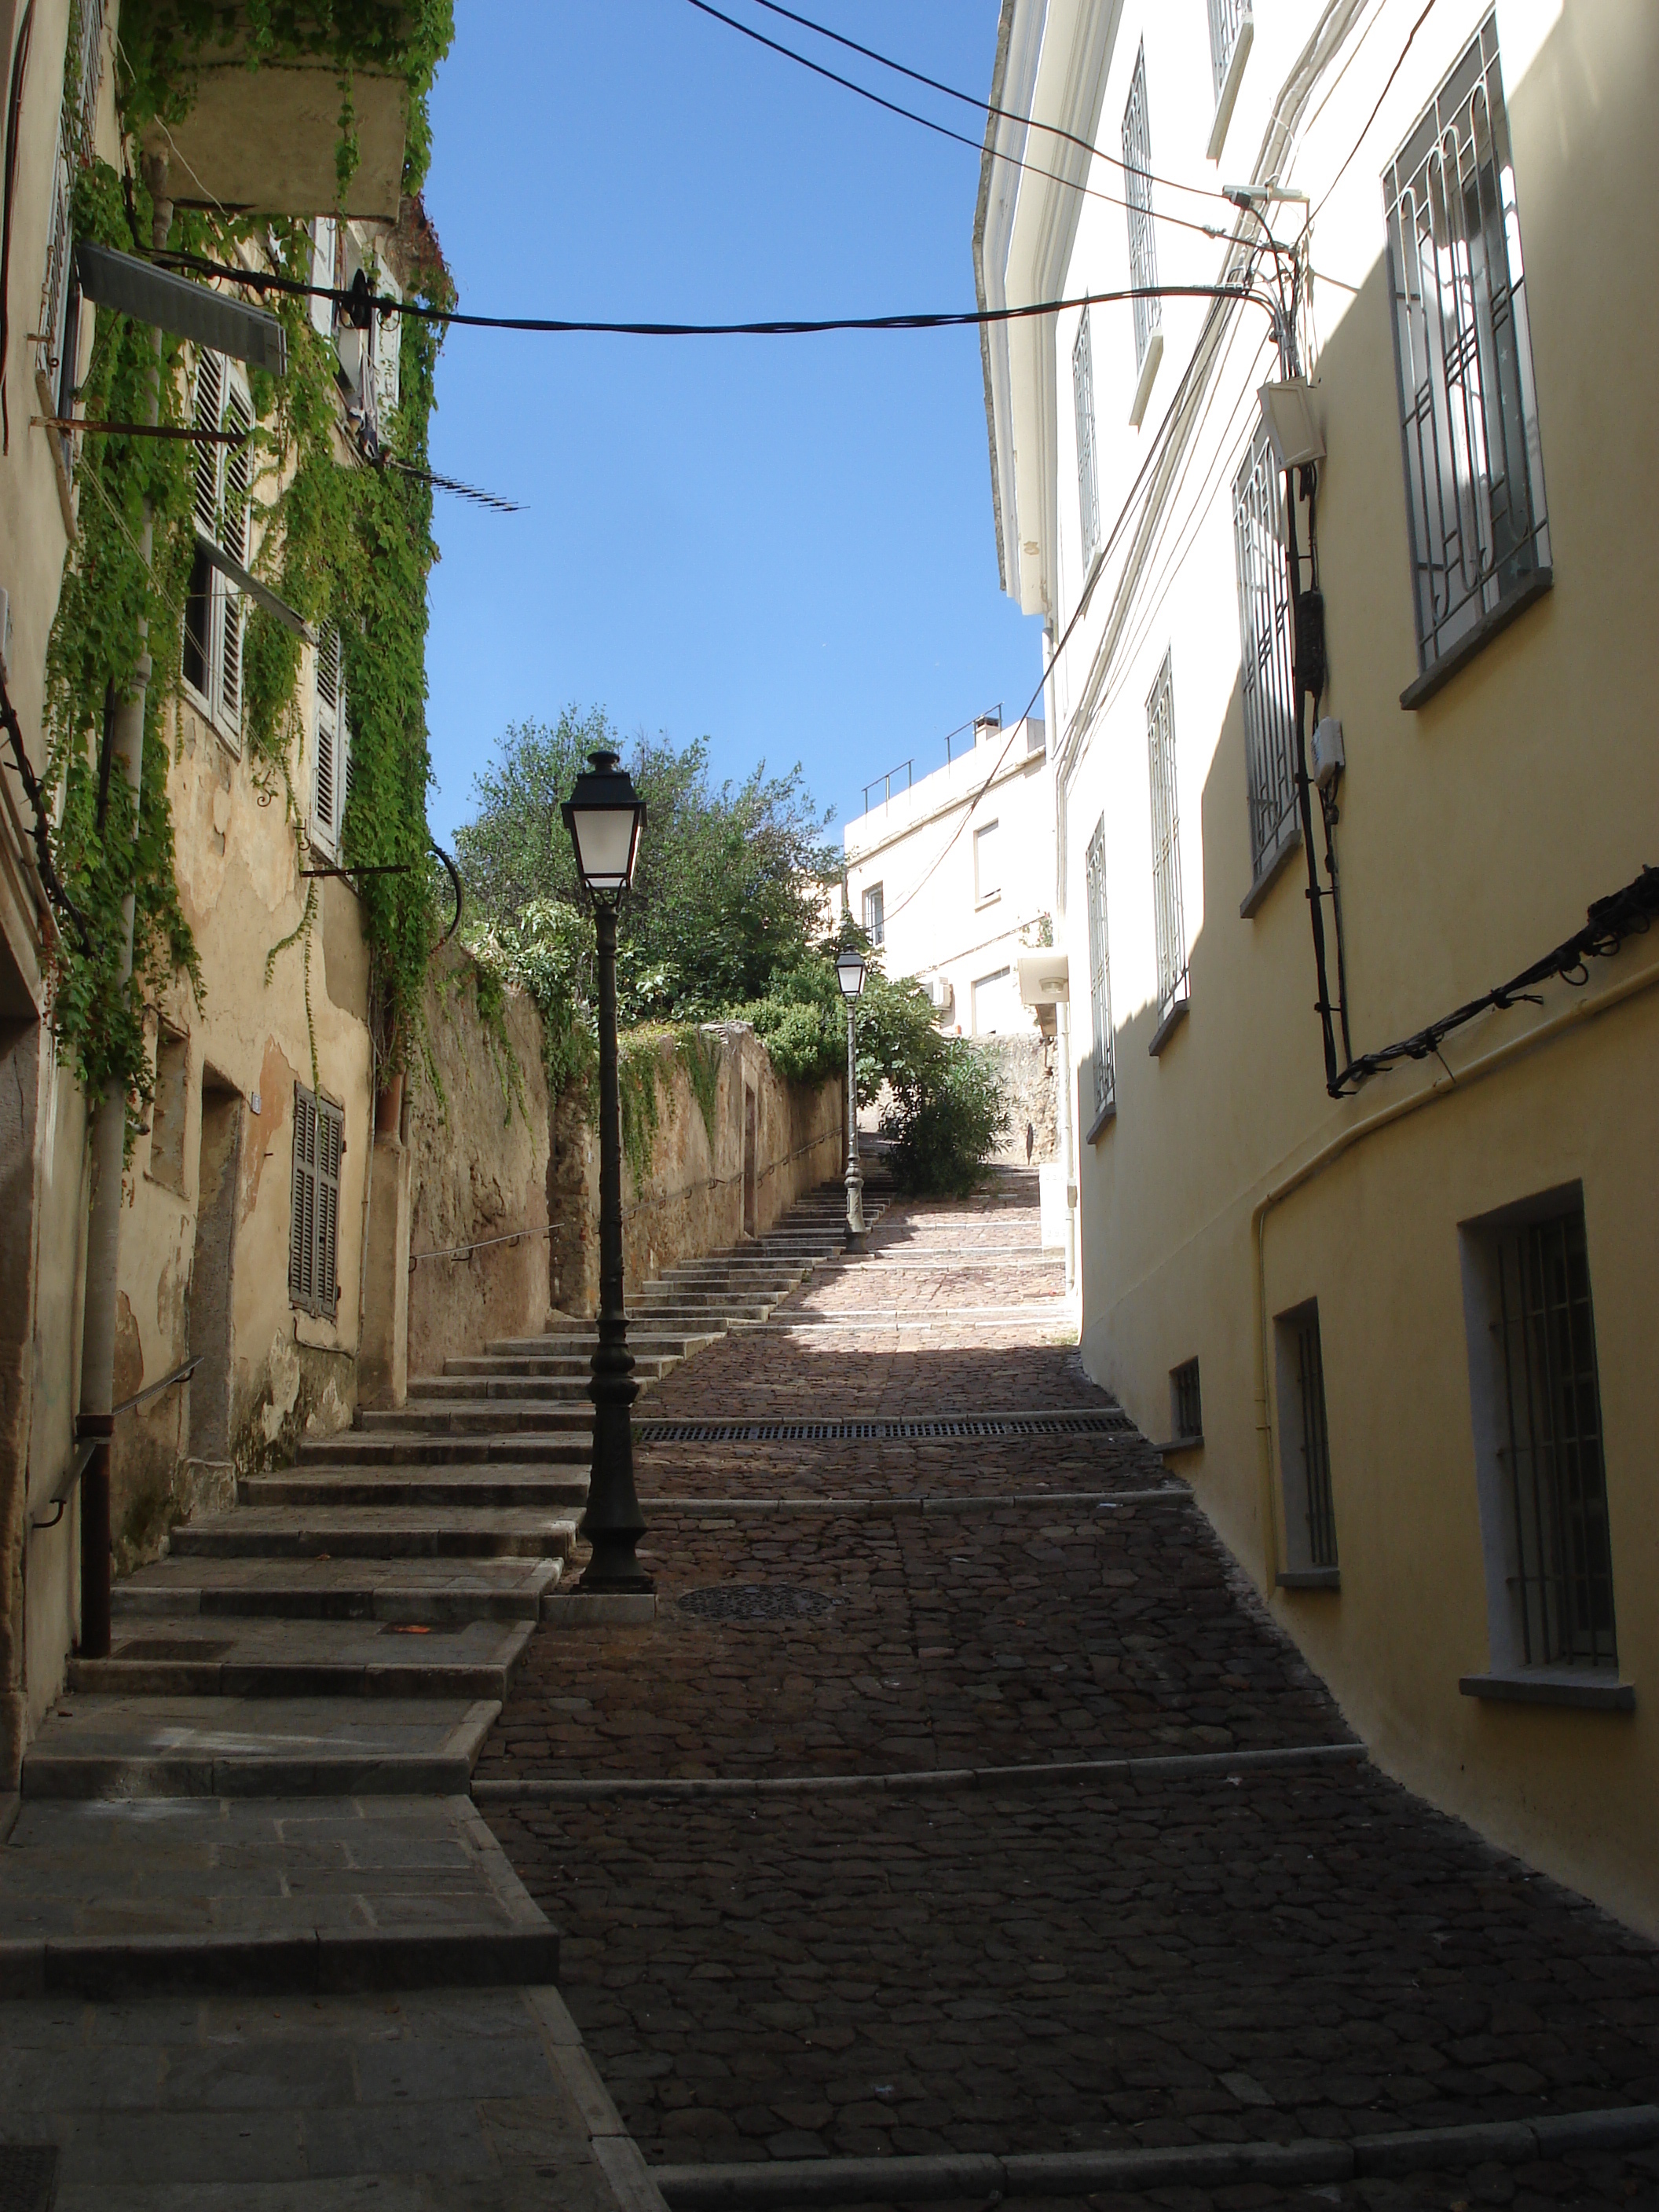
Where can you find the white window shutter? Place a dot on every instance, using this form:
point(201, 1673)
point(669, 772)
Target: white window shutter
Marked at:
point(324, 810)
point(235, 539)
point(210, 400)
point(325, 232)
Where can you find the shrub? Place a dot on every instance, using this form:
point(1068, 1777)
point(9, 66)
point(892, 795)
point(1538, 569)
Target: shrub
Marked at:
point(946, 1123)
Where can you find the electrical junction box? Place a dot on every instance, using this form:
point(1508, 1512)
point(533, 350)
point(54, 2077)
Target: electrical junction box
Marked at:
point(1328, 757)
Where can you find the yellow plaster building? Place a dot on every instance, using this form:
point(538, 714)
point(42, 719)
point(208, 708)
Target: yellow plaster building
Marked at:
point(1393, 1309)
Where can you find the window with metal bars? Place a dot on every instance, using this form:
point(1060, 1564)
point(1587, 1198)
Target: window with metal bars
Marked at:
point(1082, 401)
point(331, 776)
point(1186, 1400)
point(214, 611)
point(1474, 476)
point(58, 328)
point(1551, 1486)
point(1169, 927)
point(1227, 16)
point(1266, 683)
point(1304, 1455)
point(313, 1231)
point(875, 915)
point(1137, 198)
point(1100, 973)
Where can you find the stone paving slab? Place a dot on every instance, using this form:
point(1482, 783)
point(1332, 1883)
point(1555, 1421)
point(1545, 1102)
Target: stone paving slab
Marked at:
point(221, 1893)
point(260, 1656)
point(371, 1532)
point(898, 1373)
point(455, 2101)
point(434, 1590)
point(1015, 1634)
point(137, 1746)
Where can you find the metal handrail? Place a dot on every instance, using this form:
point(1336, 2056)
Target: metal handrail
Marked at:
point(80, 1461)
point(154, 1389)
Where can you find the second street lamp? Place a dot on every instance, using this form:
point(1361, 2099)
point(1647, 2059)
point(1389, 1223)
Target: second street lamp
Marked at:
point(849, 974)
point(604, 816)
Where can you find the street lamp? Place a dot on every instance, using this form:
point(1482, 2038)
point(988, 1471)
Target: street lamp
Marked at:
point(849, 974)
point(604, 816)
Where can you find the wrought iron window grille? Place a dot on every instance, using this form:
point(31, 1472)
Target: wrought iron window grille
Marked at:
point(1137, 198)
point(1169, 918)
point(1083, 399)
point(1186, 1399)
point(1100, 973)
point(1267, 678)
point(1225, 16)
point(1314, 1442)
point(1554, 1474)
point(1474, 463)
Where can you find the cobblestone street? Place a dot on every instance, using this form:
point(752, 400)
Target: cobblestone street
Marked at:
point(935, 1954)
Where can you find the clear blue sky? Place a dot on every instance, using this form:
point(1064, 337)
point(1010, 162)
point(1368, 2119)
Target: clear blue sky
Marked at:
point(786, 545)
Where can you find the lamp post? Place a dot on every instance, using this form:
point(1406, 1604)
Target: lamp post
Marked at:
point(604, 816)
point(849, 974)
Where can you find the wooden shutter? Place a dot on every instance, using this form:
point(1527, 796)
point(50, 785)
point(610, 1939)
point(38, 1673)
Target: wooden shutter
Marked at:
point(235, 538)
point(330, 1143)
point(210, 401)
point(324, 812)
point(302, 1227)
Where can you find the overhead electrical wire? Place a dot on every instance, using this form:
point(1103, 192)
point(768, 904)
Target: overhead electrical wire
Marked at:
point(944, 130)
point(263, 280)
point(984, 106)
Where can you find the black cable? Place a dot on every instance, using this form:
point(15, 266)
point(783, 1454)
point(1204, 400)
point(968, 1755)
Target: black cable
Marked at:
point(19, 58)
point(941, 129)
point(1375, 111)
point(25, 775)
point(984, 106)
point(261, 280)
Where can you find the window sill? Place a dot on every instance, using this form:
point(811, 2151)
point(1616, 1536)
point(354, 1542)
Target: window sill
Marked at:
point(991, 899)
point(317, 1331)
point(1145, 381)
point(1498, 619)
point(1103, 1121)
point(1269, 875)
point(1310, 1578)
point(1177, 1444)
point(1589, 1688)
point(1167, 1028)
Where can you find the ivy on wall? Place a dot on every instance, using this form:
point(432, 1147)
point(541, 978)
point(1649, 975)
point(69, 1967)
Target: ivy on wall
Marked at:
point(343, 540)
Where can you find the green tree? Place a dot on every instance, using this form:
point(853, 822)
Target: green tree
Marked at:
point(730, 878)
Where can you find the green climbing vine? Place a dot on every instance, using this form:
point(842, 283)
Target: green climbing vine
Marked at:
point(343, 543)
point(642, 1067)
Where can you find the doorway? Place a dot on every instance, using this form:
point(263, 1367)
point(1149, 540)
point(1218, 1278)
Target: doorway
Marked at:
point(212, 1273)
point(748, 1161)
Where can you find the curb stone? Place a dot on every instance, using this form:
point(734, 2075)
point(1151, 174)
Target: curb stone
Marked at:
point(771, 2185)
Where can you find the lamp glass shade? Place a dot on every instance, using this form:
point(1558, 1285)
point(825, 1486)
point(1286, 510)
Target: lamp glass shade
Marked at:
point(849, 971)
point(604, 816)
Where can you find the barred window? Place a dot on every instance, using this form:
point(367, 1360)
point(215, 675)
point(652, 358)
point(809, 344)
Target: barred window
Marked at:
point(313, 1231)
point(1551, 1442)
point(1169, 923)
point(875, 915)
point(1186, 1399)
point(1138, 196)
point(1100, 973)
point(1474, 478)
point(1083, 398)
point(1304, 1442)
point(1266, 683)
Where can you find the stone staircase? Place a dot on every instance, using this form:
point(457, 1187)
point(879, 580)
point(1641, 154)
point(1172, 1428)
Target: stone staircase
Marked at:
point(351, 1624)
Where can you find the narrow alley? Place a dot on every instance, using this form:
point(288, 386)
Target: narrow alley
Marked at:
point(964, 1802)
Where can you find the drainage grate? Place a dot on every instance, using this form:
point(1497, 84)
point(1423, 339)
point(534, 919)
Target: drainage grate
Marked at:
point(28, 2177)
point(754, 1602)
point(1110, 1421)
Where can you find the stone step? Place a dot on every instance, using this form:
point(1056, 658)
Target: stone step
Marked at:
point(552, 1389)
point(707, 1309)
point(500, 1415)
point(180, 1657)
point(438, 1591)
point(681, 1343)
point(502, 1485)
point(647, 1365)
point(143, 1746)
point(370, 1532)
point(354, 1449)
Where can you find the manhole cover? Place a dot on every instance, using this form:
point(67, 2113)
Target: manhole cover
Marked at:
point(28, 2177)
point(754, 1602)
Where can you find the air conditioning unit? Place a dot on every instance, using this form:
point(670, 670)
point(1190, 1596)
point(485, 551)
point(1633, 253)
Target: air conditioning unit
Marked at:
point(940, 995)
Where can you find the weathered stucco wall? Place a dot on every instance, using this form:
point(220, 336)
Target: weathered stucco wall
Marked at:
point(528, 1175)
point(479, 1170)
point(1027, 1065)
point(704, 1191)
